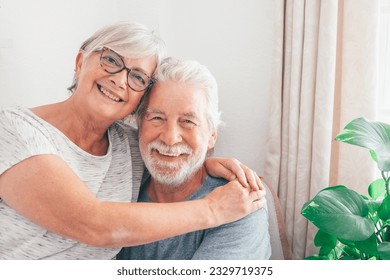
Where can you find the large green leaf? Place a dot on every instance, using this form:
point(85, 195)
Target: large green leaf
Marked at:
point(372, 135)
point(368, 246)
point(377, 189)
point(384, 209)
point(326, 241)
point(384, 250)
point(341, 212)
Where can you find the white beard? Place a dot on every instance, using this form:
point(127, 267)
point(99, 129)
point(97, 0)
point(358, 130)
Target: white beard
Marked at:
point(173, 174)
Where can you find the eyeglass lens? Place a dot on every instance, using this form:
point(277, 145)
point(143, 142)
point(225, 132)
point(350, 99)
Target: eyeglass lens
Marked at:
point(113, 63)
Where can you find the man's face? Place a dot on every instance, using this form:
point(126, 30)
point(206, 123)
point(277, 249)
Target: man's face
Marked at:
point(174, 133)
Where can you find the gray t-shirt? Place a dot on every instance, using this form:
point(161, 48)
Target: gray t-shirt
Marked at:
point(245, 239)
point(115, 176)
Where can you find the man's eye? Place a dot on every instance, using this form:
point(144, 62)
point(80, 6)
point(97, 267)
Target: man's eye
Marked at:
point(188, 123)
point(154, 118)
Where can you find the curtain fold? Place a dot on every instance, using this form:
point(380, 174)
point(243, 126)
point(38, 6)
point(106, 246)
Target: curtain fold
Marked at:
point(306, 87)
point(356, 89)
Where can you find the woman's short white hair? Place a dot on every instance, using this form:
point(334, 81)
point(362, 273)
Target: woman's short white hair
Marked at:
point(189, 72)
point(129, 39)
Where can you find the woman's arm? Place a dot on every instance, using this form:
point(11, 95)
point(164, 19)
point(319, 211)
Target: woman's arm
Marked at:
point(45, 190)
point(232, 169)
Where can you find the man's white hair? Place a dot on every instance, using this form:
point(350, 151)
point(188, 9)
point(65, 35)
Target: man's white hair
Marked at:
point(188, 72)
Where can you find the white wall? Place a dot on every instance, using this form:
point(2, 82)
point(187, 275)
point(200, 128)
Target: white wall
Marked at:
point(39, 40)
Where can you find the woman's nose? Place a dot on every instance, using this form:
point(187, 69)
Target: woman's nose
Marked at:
point(120, 79)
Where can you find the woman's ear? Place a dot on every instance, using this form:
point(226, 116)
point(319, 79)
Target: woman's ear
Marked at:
point(79, 62)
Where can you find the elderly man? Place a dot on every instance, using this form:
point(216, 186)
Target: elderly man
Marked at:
point(178, 124)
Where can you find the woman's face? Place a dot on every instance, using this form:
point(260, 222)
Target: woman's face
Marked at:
point(108, 97)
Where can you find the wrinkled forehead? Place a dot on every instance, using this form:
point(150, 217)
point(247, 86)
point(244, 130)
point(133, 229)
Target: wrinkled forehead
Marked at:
point(177, 97)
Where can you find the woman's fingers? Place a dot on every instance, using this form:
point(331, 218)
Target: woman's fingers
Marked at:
point(232, 202)
point(258, 199)
point(232, 169)
point(251, 178)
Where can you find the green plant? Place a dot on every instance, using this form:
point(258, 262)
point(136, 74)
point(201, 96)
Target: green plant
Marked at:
point(350, 225)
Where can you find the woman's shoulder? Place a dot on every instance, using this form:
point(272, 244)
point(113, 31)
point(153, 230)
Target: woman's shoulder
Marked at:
point(14, 117)
point(20, 119)
point(21, 137)
point(13, 112)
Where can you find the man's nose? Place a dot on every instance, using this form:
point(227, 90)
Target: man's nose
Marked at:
point(171, 134)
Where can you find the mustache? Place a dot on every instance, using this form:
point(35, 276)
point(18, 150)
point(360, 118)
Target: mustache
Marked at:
point(175, 150)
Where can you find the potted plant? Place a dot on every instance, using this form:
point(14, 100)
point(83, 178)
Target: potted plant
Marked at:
point(350, 225)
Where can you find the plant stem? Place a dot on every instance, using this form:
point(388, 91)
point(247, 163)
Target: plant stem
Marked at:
point(379, 236)
point(378, 228)
point(387, 181)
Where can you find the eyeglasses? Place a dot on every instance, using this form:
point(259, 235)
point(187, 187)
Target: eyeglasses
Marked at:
point(113, 63)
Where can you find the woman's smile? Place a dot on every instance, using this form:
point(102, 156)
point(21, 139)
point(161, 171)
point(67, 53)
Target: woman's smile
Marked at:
point(108, 94)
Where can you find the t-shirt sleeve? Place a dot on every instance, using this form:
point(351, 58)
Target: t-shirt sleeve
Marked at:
point(21, 138)
point(245, 239)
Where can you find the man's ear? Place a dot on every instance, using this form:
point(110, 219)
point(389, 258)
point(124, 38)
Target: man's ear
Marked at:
point(212, 140)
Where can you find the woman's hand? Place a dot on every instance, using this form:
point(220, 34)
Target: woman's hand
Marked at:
point(232, 202)
point(232, 169)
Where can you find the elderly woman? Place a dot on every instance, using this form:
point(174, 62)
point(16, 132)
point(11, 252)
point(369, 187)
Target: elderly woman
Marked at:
point(69, 170)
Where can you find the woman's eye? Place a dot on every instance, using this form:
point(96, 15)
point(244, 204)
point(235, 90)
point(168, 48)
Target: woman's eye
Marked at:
point(112, 61)
point(139, 79)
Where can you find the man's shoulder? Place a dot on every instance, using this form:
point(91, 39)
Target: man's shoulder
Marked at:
point(209, 184)
point(214, 182)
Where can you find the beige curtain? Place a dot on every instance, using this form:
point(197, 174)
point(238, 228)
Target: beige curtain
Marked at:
point(324, 75)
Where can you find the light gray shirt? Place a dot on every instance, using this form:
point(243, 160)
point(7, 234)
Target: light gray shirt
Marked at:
point(115, 176)
point(245, 239)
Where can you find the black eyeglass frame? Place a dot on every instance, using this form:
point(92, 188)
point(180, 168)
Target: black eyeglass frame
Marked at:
point(151, 80)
